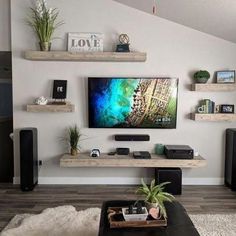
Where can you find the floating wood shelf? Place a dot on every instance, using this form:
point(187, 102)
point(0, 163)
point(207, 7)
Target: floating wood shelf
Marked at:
point(51, 108)
point(104, 160)
point(214, 87)
point(86, 56)
point(213, 117)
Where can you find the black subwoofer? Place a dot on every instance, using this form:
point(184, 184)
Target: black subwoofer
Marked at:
point(230, 159)
point(173, 175)
point(28, 159)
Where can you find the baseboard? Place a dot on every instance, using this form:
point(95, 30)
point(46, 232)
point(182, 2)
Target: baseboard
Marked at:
point(118, 181)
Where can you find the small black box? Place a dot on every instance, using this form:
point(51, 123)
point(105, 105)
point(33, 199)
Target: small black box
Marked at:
point(141, 155)
point(122, 151)
point(178, 152)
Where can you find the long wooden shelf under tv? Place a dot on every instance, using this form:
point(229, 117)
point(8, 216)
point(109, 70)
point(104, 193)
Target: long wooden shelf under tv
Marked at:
point(50, 108)
point(213, 117)
point(214, 87)
point(86, 56)
point(104, 160)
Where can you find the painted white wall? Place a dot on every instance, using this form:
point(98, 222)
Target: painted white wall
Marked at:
point(214, 17)
point(172, 50)
point(5, 25)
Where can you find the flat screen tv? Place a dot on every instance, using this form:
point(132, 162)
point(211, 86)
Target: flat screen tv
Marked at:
point(132, 102)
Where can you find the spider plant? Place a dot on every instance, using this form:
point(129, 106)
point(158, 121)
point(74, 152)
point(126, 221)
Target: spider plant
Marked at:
point(155, 194)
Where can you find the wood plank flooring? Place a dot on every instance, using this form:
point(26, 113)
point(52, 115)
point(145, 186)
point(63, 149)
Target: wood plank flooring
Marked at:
point(196, 199)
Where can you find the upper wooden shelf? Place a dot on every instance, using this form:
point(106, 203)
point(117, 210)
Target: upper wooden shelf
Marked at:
point(86, 56)
point(213, 87)
point(104, 160)
point(51, 108)
point(213, 117)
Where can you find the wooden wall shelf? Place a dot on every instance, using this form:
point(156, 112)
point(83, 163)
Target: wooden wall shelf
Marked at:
point(51, 108)
point(214, 87)
point(86, 56)
point(84, 160)
point(213, 117)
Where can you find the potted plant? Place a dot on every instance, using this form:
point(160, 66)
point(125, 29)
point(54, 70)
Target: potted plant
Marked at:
point(202, 76)
point(155, 196)
point(43, 22)
point(73, 139)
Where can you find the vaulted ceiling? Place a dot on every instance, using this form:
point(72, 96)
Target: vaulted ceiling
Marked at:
point(216, 17)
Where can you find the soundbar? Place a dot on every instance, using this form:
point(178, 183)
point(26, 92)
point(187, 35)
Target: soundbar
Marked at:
point(132, 137)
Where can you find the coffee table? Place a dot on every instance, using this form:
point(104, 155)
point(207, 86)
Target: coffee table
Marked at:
point(179, 223)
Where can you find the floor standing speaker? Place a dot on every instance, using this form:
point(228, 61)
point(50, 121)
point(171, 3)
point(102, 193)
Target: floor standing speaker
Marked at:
point(28, 159)
point(172, 175)
point(230, 159)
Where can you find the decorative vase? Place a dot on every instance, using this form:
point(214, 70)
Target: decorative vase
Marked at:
point(45, 46)
point(73, 152)
point(150, 205)
point(201, 80)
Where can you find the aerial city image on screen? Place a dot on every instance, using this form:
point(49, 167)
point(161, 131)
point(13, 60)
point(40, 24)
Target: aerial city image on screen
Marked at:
point(133, 102)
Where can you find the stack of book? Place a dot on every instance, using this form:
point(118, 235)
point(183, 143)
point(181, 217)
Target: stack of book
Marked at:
point(206, 106)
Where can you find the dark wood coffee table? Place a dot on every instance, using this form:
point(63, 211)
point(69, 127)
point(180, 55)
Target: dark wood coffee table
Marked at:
point(179, 223)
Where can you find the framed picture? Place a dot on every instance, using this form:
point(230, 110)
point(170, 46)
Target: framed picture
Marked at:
point(59, 89)
point(85, 42)
point(225, 76)
point(227, 108)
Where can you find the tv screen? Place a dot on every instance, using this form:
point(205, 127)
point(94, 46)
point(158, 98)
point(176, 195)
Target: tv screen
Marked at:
point(132, 102)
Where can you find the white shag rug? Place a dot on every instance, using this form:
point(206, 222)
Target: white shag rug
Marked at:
point(66, 221)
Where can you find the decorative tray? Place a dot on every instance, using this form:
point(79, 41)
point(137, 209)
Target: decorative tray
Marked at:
point(116, 220)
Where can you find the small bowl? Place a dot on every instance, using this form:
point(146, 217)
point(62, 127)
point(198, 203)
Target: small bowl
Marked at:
point(135, 217)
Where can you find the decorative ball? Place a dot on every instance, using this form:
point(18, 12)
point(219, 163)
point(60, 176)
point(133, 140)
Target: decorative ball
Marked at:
point(124, 39)
point(41, 101)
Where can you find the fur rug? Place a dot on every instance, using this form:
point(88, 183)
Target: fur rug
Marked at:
point(59, 221)
point(66, 221)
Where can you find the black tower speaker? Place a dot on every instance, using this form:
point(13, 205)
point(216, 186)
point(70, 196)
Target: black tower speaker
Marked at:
point(173, 175)
point(28, 159)
point(230, 159)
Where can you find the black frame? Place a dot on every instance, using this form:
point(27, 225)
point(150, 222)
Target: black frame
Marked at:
point(59, 94)
point(229, 71)
point(226, 106)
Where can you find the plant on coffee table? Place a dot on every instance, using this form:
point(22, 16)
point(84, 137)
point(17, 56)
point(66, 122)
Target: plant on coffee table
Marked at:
point(155, 196)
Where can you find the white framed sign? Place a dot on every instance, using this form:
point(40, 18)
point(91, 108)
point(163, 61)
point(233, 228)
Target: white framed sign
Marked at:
point(85, 42)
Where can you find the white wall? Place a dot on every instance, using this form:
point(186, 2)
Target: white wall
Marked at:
point(5, 25)
point(172, 50)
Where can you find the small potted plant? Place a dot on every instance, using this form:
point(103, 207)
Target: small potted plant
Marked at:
point(43, 22)
point(202, 76)
point(155, 196)
point(73, 139)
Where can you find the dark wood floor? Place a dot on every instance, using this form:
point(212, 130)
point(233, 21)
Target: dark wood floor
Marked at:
point(196, 199)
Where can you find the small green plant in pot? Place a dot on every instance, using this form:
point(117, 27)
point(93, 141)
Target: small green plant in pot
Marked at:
point(43, 21)
point(73, 139)
point(155, 196)
point(202, 76)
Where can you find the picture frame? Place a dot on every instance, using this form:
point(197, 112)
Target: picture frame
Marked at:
point(226, 108)
point(85, 42)
point(227, 76)
point(59, 89)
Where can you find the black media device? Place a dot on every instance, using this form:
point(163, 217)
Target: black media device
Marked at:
point(122, 151)
point(230, 159)
point(178, 152)
point(132, 137)
point(28, 158)
point(142, 155)
point(125, 102)
point(172, 175)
